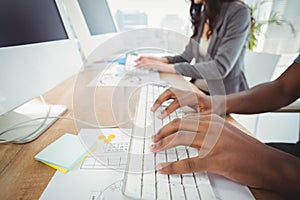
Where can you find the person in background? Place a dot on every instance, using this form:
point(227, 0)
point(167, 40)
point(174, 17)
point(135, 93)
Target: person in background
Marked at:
point(235, 154)
point(221, 30)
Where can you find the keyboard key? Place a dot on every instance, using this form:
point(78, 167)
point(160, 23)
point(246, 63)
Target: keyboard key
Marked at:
point(181, 152)
point(162, 178)
point(163, 191)
point(133, 185)
point(149, 191)
point(149, 163)
point(137, 146)
point(204, 187)
point(192, 152)
point(177, 191)
point(157, 122)
point(188, 180)
point(171, 155)
point(175, 178)
point(191, 193)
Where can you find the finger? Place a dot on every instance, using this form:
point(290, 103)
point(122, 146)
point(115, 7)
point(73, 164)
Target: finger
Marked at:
point(200, 111)
point(188, 165)
point(143, 64)
point(138, 64)
point(169, 109)
point(147, 66)
point(186, 138)
point(198, 116)
point(191, 115)
point(166, 95)
point(186, 100)
point(184, 124)
point(208, 128)
point(206, 112)
point(211, 131)
point(195, 123)
point(139, 58)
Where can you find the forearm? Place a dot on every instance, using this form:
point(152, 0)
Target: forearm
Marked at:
point(168, 68)
point(164, 60)
point(262, 98)
point(290, 175)
point(257, 165)
point(267, 96)
point(279, 172)
point(175, 59)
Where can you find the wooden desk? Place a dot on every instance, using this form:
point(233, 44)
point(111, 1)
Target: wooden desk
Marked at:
point(22, 177)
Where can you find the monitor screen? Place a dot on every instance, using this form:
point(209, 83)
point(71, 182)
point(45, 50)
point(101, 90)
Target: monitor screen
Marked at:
point(31, 21)
point(97, 16)
point(37, 50)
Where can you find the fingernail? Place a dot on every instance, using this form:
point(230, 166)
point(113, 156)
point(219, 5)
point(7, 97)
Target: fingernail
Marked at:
point(159, 167)
point(152, 147)
point(154, 107)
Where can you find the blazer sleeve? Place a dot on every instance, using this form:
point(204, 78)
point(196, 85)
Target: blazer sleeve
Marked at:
point(228, 49)
point(186, 56)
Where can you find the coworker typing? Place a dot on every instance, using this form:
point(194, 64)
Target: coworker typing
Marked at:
point(220, 35)
point(234, 154)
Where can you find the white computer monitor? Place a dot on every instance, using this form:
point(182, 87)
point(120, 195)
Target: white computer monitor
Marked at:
point(92, 22)
point(37, 52)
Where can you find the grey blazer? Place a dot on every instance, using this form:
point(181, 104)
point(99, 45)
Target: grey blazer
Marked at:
point(223, 69)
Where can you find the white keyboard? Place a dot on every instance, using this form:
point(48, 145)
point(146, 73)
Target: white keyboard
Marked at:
point(137, 71)
point(130, 66)
point(141, 181)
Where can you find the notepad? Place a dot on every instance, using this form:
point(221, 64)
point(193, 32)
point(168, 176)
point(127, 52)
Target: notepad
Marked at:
point(64, 153)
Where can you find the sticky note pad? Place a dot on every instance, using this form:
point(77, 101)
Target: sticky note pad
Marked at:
point(64, 153)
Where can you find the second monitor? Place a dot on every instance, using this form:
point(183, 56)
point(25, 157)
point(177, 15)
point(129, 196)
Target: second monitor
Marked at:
point(92, 22)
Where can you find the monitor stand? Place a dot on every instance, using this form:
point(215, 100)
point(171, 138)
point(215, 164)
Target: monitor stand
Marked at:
point(29, 131)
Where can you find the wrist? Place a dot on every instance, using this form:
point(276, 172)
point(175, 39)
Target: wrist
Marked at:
point(219, 105)
point(169, 68)
point(164, 60)
point(228, 104)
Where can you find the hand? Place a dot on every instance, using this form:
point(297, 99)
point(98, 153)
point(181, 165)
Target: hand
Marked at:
point(158, 64)
point(227, 151)
point(151, 58)
point(199, 102)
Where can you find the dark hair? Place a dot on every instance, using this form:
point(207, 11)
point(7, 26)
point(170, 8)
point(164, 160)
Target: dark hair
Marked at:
point(212, 12)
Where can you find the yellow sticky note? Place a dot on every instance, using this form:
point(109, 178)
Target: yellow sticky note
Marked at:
point(64, 153)
point(57, 167)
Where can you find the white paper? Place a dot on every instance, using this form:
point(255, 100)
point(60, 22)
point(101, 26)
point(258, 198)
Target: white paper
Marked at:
point(118, 75)
point(95, 180)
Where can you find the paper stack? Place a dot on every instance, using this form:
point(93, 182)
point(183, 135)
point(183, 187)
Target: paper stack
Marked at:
point(64, 153)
